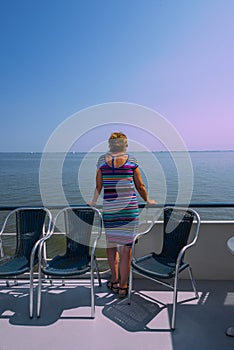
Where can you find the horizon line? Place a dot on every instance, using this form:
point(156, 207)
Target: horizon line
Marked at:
point(133, 151)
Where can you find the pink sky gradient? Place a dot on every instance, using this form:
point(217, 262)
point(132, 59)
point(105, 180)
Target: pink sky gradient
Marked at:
point(175, 56)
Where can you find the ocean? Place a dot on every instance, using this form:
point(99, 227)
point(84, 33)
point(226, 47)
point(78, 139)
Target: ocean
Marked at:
point(69, 179)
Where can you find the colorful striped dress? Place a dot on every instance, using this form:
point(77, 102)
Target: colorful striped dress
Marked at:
point(120, 205)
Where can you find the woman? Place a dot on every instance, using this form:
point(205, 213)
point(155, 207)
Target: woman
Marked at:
point(118, 172)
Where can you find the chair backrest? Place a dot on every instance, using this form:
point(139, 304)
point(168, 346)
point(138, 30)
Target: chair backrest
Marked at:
point(29, 228)
point(78, 225)
point(176, 230)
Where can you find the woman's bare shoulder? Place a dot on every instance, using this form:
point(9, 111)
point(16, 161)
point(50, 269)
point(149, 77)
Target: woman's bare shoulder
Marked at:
point(101, 160)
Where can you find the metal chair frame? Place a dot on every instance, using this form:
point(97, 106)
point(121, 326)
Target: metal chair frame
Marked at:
point(179, 259)
point(93, 261)
point(48, 217)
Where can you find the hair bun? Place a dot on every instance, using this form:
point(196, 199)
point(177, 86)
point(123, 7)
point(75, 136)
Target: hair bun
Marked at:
point(118, 142)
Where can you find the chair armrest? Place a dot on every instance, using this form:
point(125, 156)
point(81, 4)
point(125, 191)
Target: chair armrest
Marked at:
point(100, 221)
point(139, 235)
point(2, 230)
point(183, 250)
point(1, 249)
point(38, 246)
point(41, 241)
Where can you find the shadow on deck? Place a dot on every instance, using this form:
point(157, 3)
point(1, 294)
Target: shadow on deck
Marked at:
point(65, 320)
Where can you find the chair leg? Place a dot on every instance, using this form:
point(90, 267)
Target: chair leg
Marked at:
point(92, 293)
point(39, 293)
point(130, 285)
point(193, 282)
point(31, 294)
point(174, 303)
point(97, 272)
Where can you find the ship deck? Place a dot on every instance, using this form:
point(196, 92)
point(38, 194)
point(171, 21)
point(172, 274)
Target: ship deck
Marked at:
point(65, 321)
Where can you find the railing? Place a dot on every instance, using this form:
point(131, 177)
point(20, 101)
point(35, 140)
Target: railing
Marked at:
point(214, 262)
point(198, 205)
point(223, 206)
point(142, 205)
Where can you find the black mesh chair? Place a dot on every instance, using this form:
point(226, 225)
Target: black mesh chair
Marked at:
point(29, 224)
point(79, 257)
point(177, 229)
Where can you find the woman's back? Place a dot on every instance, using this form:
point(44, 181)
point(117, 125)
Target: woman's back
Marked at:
point(116, 161)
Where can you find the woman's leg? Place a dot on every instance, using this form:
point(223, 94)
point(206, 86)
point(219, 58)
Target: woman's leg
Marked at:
point(113, 260)
point(125, 261)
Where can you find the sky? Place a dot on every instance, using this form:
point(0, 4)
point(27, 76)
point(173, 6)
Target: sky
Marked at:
point(59, 57)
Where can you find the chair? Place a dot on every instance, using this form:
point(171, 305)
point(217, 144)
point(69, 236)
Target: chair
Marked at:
point(166, 265)
point(30, 226)
point(78, 259)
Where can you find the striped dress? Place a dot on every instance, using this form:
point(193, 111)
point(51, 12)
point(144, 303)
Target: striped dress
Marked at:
point(120, 205)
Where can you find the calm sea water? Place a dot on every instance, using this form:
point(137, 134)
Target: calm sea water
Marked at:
point(69, 179)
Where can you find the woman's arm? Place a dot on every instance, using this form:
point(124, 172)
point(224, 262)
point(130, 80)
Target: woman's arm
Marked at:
point(140, 186)
point(98, 188)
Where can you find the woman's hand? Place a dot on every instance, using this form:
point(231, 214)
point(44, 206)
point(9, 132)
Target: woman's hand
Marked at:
point(151, 201)
point(92, 203)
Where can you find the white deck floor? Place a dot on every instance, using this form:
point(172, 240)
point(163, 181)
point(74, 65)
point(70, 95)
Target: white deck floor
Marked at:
point(144, 325)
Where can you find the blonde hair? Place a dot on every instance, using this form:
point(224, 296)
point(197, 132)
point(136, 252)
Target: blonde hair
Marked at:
point(118, 142)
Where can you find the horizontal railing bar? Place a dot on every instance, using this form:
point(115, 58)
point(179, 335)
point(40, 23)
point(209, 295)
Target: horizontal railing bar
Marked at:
point(191, 205)
point(141, 205)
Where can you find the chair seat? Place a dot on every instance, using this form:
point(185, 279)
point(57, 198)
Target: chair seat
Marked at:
point(66, 266)
point(13, 266)
point(156, 266)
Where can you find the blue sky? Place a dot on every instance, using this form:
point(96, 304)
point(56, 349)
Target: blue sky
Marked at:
point(61, 56)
